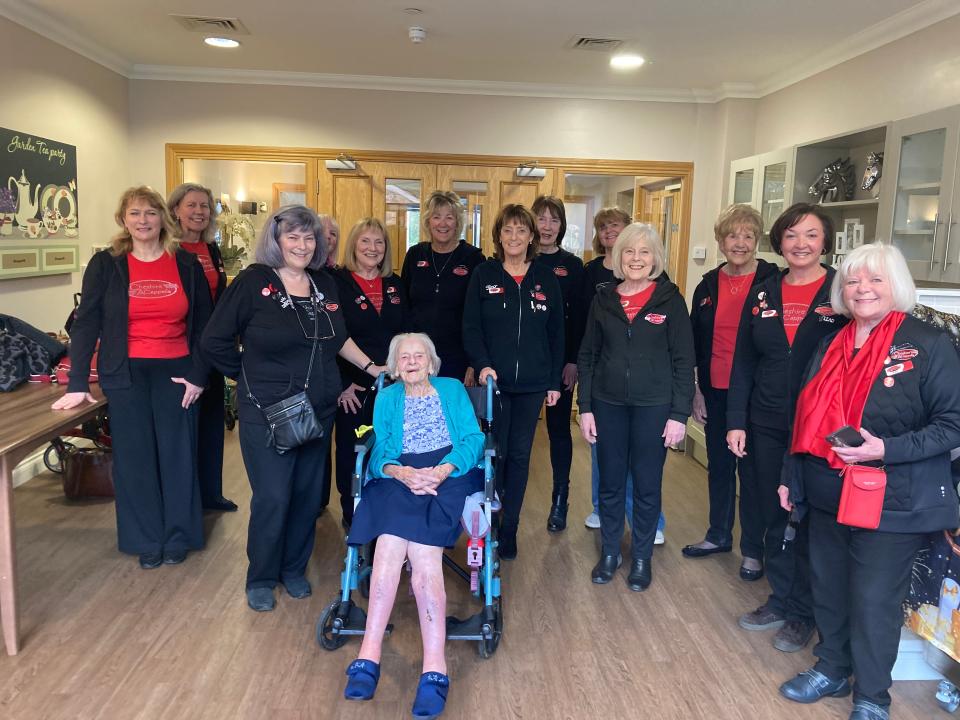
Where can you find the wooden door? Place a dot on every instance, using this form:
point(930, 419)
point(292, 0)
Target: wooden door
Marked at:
point(385, 191)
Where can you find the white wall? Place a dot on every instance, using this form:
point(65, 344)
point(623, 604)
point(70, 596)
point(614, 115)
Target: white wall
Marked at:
point(52, 92)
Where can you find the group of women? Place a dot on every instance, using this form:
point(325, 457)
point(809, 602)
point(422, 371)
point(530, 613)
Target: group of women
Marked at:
point(768, 359)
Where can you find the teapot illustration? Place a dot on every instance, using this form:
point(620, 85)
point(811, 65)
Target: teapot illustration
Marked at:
point(26, 209)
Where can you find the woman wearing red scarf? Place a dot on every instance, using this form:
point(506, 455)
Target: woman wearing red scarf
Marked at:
point(897, 381)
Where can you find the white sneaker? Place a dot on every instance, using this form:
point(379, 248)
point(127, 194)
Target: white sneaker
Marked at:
point(659, 539)
point(592, 521)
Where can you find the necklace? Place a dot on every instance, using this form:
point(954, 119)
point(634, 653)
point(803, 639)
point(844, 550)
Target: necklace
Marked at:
point(433, 258)
point(368, 285)
point(736, 287)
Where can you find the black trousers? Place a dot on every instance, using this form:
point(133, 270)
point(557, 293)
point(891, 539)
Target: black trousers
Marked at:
point(210, 431)
point(284, 505)
point(561, 442)
point(346, 440)
point(788, 569)
point(860, 580)
point(722, 468)
point(630, 439)
point(154, 460)
point(515, 419)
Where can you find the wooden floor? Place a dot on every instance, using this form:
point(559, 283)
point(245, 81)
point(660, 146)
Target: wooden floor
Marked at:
point(104, 639)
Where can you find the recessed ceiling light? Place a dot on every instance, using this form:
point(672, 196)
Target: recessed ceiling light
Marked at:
point(220, 42)
point(626, 62)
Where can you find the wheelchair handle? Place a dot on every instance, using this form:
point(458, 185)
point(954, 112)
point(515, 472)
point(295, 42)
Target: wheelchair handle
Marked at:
point(491, 389)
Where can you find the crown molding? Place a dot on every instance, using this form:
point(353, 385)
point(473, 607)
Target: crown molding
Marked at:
point(35, 20)
point(870, 38)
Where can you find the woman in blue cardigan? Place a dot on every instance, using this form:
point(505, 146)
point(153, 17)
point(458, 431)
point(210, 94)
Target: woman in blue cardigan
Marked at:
point(424, 463)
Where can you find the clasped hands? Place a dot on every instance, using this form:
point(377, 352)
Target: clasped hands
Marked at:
point(420, 481)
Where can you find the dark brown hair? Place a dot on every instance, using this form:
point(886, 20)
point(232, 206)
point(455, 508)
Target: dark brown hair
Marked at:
point(524, 217)
point(556, 208)
point(794, 214)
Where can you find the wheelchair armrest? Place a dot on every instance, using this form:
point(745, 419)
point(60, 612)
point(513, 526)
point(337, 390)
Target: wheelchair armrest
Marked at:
point(365, 443)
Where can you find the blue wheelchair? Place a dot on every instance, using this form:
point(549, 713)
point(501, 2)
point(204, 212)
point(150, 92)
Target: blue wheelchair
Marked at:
point(343, 618)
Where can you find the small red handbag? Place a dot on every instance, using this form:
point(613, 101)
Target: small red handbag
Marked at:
point(861, 500)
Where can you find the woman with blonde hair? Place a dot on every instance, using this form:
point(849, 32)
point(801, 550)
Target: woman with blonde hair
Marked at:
point(146, 301)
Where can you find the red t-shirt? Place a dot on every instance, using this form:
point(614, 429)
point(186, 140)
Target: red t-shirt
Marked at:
point(202, 251)
point(518, 278)
point(633, 304)
point(373, 289)
point(796, 302)
point(731, 294)
point(157, 326)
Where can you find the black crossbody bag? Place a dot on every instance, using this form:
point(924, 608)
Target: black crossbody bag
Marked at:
point(291, 422)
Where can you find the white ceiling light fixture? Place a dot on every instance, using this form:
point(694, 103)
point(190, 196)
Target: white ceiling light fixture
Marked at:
point(626, 61)
point(222, 42)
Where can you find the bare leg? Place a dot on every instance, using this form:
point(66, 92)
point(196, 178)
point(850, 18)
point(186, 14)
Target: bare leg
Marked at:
point(427, 580)
point(387, 564)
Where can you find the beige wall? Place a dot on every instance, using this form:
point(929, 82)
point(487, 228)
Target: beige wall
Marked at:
point(910, 76)
point(52, 92)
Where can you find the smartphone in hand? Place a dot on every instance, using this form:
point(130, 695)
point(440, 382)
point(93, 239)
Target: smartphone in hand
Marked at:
point(846, 436)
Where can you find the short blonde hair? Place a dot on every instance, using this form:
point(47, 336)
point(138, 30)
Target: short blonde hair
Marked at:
point(350, 245)
point(421, 338)
point(177, 196)
point(122, 243)
point(882, 259)
point(605, 216)
point(737, 216)
point(441, 199)
point(633, 235)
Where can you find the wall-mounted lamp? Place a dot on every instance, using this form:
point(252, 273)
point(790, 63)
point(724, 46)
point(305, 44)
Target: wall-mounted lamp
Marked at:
point(530, 170)
point(341, 162)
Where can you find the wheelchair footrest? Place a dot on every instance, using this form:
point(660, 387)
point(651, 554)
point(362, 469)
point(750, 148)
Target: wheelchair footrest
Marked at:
point(355, 623)
point(469, 629)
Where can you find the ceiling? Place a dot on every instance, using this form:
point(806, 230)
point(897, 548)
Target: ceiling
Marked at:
point(697, 49)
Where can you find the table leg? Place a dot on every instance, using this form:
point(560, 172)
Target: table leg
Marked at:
point(8, 567)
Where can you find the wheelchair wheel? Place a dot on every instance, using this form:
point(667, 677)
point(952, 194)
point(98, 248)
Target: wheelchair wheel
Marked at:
point(327, 635)
point(53, 455)
point(488, 645)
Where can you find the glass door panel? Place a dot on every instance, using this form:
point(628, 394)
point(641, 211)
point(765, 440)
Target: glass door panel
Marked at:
point(403, 199)
point(474, 196)
point(743, 186)
point(772, 199)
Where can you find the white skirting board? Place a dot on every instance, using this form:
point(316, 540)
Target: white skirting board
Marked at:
point(912, 656)
point(32, 465)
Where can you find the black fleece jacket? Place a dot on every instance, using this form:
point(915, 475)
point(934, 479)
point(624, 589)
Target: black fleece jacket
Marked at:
point(768, 371)
point(646, 362)
point(104, 315)
point(372, 331)
point(703, 315)
point(568, 269)
point(515, 329)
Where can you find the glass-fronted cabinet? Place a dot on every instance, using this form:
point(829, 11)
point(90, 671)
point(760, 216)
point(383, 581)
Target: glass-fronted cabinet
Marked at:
point(765, 182)
point(925, 205)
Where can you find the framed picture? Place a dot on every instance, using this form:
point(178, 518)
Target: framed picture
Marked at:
point(840, 243)
point(288, 194)
point(857, 240)
point(849, 231)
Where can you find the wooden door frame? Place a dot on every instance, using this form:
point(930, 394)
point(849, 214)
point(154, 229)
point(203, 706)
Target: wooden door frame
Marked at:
point(175, 153)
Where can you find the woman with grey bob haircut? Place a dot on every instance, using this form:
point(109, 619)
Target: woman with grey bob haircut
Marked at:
point(878, 259)
point(284, 220)
point(432, 357)
point(639, 234)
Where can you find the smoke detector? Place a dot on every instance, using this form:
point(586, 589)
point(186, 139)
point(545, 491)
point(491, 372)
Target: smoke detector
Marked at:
point(417, 34)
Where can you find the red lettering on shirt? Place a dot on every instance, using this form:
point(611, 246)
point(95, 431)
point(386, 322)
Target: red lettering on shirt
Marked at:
point(796, 302)
point(157, 309)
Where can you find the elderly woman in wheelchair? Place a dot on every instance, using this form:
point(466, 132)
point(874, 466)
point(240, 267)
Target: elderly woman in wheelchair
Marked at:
point(424, 463)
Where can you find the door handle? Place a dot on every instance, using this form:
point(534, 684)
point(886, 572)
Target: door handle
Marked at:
point(933, 250)
point(946, 251)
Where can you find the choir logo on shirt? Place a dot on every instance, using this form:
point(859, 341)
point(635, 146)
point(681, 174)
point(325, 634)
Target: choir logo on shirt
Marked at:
point(332, 307)
point(152, 289)
point(898, 368)
point(709, 301)
point(391, 289)
point(395, 300)
point(494, 290)
point(423, 263)
point(540, 296)
point(655, 318)
point(767, 313)
point(461, 270)
point(903, 352)
point(560, 271)
point(824, 310)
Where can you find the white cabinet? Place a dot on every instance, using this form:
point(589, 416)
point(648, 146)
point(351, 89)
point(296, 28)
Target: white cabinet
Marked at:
point(924, 193)
point(765, 182)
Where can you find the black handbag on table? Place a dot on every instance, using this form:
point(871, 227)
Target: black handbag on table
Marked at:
point(291, 422)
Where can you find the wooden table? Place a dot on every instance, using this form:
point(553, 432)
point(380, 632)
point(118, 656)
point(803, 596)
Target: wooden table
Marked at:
point(26, 422)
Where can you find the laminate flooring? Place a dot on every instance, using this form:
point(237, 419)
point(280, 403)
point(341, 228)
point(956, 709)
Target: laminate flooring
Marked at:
point(102, 638)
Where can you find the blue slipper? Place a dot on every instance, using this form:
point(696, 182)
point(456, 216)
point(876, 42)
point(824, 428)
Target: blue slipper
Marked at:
point(431, 695)
point(363, 678)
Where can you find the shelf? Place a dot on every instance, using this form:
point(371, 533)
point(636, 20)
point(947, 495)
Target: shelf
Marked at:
point(919, 186)
point(913, 232)
point(868, 202)
point(775, 201)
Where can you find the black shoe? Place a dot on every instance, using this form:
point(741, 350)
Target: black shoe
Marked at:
point(174, 557)
point(750, 575)
point(866, 710)
point(557, 522)
point(221, 504)
point(794, 635)
point(603, 571)
point(811, 685)
point(694, 551)
point(641, 575)
point(508, 544)
point(149, 561)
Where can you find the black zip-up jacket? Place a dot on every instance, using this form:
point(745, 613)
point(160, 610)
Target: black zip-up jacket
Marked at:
point(436, 304)
point(276, 346)
point(217, 259)
point(515, 329)
point(103, 315)
point(767, 370)
point(568, 269)
point(647, 362)
point(703, 313)
point(372, 331)
point(914, 407)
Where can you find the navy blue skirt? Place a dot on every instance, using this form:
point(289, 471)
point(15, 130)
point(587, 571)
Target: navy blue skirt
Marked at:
point(388, 507)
